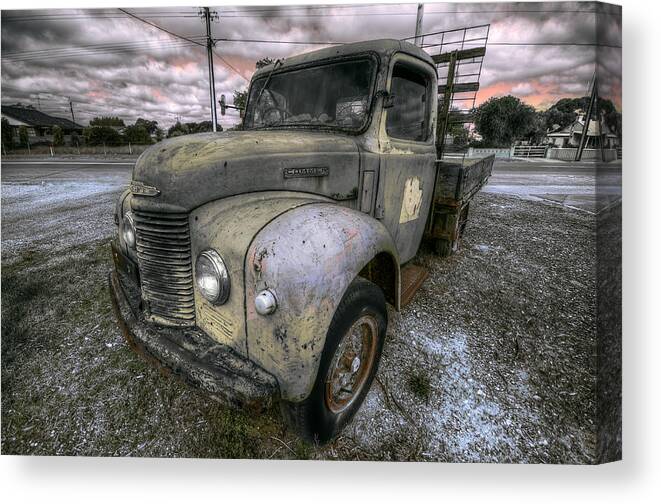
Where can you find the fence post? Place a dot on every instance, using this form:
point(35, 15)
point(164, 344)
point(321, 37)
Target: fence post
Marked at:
point(104, 149)
point(29, 152)
point(130, 151)
point(51, 150)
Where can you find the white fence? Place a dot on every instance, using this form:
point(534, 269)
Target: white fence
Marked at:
point(569, 154)
point(485, 151)
point(544, 151)
point(529, 151)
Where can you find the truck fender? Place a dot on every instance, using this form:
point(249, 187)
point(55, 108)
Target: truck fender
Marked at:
point(307, 257)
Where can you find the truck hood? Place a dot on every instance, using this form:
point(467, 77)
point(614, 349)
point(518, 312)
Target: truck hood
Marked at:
point(191, 170)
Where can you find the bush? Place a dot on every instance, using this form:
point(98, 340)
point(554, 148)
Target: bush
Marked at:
point(7, 134)
point(137, 135)
point(100, 135)
point(58, 136)
point(23, 138)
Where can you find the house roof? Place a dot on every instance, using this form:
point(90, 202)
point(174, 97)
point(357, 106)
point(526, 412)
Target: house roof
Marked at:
point(34, 117)
point(577, 127)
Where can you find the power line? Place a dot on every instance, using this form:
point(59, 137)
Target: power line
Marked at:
point(161, 28)
point(76, 17)
point(294, 42)
point(101, 50)
point(409, 14)
point(227, 63)
point(87, 46)
point(255, 13)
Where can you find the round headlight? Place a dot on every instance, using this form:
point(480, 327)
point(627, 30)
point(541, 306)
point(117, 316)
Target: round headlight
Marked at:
point(128, 230)
point(211, 277)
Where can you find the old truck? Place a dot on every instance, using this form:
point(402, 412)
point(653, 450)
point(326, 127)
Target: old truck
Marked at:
point(256, 264)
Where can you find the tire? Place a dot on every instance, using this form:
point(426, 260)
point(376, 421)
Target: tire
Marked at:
point(323, 414)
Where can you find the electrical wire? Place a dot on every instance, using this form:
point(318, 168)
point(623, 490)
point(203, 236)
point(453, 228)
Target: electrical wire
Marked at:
point(161, 28)
point(229, 65)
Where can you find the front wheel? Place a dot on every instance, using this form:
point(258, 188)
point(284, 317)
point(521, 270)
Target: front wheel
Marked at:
point(348, 365)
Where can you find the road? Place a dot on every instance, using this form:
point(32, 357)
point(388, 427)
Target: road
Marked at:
point(53, 204)
point(581, 185)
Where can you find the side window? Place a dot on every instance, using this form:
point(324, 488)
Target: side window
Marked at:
point(408, 117)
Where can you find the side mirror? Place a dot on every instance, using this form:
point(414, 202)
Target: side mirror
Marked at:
point(223, 105)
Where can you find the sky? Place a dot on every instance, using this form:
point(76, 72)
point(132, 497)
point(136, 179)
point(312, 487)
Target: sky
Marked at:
point(110, 63)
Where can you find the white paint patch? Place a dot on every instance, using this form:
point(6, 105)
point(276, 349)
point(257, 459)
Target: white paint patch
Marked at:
point(411, 201)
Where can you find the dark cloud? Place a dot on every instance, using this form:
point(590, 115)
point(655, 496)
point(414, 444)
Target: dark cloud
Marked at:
point(156, 76)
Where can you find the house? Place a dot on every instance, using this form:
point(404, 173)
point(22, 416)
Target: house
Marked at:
point(570, 136)
point(39, 125)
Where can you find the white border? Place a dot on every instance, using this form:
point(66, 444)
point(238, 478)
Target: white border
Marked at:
point(53, 479)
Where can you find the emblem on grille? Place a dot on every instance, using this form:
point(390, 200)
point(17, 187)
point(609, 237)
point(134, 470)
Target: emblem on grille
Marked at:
point(143, 189)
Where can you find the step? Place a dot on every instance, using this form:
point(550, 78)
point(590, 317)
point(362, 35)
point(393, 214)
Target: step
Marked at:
point(413, 276)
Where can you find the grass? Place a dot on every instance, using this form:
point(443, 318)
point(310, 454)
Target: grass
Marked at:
point(71, 386)
point(419, 383)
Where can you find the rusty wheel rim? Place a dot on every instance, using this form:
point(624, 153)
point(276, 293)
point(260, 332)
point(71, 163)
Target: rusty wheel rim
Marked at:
point(351, 364)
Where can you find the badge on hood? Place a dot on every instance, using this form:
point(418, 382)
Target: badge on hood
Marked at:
point(141, 189)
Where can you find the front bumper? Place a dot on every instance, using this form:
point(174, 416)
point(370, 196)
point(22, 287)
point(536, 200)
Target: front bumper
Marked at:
point(190, 354)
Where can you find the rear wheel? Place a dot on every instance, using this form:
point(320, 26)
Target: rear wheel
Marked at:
point(348, 364)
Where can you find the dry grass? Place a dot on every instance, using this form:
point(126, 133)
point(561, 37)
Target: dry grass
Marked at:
point(493, 361)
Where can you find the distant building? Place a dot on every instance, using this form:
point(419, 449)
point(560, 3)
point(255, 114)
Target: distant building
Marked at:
point(39, 125)
point(570, 136)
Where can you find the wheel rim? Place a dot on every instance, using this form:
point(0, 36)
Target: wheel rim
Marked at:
point(351, 364)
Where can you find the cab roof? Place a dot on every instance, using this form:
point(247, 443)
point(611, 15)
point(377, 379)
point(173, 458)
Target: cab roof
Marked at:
point(383, 47)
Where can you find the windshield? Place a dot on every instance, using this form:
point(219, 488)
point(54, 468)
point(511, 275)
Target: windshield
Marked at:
point(334, 95)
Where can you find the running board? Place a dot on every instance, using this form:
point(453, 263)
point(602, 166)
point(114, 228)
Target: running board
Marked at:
point(413, 277)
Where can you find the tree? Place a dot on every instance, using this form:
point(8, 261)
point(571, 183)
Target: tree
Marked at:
point(7, 134)
point(100, 135)
point(240, 98)
point(562, 113)
point(189, 128)
point(58, 136)
point(459, 134)
point(159, 134)
point(149, 126)
point(137, 134)
point(177, 129)
point(501, 121)
point(107, 121)
point(23, 138)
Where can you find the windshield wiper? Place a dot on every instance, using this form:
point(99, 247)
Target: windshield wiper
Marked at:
point(268, 79)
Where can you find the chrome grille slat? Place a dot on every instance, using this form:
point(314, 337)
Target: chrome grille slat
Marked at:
point(164, 258)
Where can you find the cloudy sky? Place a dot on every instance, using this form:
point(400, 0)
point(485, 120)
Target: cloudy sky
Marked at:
point(110, 63)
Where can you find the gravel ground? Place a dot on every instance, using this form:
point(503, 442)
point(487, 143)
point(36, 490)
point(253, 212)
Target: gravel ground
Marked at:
point(494, 361)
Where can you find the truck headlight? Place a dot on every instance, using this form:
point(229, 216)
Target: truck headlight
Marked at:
point(211, 277)
point(128, 230)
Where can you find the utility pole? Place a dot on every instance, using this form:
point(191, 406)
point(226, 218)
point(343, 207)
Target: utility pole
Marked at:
point(73, 118)
point(212, 80)
point(592, 104)
point(418, 24)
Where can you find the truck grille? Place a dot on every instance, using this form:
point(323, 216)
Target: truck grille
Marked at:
point(164, 258)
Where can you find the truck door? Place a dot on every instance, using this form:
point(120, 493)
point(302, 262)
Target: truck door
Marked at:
point(408, 153)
